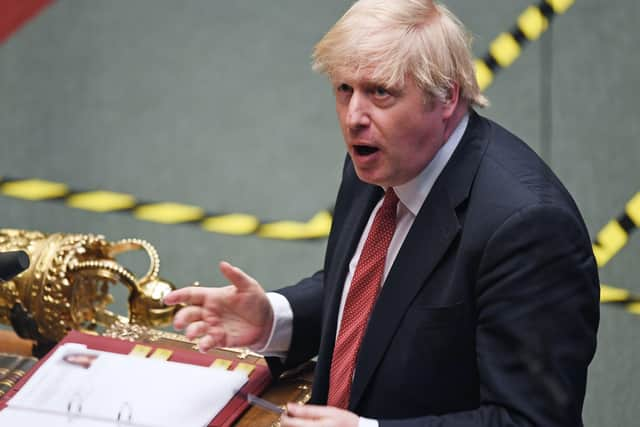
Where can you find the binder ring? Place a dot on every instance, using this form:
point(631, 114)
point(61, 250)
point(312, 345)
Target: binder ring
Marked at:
point(74, 407)
point(125, 413)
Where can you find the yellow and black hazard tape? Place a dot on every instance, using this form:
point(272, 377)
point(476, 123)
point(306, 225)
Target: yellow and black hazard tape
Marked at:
point(608, 242)
point(165, 212)
point(507, 47)
point(615, 234)
point(621, 298)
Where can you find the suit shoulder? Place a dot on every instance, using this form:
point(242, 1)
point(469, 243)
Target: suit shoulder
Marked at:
point(513, 170)
point(512, 178)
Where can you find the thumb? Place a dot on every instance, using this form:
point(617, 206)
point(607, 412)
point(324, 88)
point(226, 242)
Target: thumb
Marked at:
point(241, 280)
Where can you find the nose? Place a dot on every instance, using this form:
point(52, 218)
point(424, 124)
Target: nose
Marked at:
point(358, 111)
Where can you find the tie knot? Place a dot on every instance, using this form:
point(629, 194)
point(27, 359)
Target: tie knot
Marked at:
point(390, 201)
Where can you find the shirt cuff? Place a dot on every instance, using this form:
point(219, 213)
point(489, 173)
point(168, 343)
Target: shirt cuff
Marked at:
point(279, 340)
point(367, 422)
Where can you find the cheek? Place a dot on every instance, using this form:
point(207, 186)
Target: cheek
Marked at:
point(404, 136)
point(415, 142)
point(341, 114)
point(343, 125)
point(424, 130)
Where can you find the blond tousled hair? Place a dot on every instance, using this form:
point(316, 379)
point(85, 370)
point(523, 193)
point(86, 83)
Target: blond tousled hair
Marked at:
point(393, 39)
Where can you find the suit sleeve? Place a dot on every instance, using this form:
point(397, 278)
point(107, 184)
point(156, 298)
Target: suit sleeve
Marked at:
point(537, 307)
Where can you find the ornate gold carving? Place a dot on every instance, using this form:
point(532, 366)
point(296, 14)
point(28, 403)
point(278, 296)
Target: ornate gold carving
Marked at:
point(141, 333)
point(67, 285)
point(302, 397)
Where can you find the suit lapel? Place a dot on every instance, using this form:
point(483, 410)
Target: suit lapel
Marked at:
point(361, 206)
point(433, 230)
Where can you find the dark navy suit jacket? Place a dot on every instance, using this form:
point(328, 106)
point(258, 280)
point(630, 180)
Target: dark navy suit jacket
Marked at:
point(488, 316)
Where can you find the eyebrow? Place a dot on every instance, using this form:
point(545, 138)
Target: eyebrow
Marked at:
point(364, 83)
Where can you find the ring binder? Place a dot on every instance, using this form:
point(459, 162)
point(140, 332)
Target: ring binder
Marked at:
point(109, 391)
point(77, 400)
point(128, 412)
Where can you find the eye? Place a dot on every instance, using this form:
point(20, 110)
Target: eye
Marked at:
point(381, 92)
point(343, 88)
point(343, 93)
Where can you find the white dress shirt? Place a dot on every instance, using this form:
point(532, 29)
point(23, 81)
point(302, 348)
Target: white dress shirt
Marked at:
point(411, 196)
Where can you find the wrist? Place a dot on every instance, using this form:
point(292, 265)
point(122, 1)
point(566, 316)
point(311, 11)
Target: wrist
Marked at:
point(278, 336)
point(266, 331)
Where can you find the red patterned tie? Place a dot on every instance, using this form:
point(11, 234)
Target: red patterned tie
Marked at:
point(362, 294)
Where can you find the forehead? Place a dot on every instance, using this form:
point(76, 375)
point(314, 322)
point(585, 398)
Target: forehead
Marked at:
point(365, 76)
point(370, 77)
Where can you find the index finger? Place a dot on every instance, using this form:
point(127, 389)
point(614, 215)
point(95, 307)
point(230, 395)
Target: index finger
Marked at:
point(191, 295)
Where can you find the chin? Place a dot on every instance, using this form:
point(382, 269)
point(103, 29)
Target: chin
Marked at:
point(370, 179)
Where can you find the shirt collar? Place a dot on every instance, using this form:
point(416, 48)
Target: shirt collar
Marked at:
point(412, 194)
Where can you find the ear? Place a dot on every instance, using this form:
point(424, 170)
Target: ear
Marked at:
point(450, 104)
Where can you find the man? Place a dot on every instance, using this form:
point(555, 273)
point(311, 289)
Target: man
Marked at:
point(459, 287)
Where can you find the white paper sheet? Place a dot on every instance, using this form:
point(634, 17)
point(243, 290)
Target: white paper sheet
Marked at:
point(12, 417)
point(144, 392)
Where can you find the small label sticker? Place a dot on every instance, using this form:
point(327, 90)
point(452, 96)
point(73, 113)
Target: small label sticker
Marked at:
point(140, 350)
point(245, 367)
point(161, 354)
point(221, 364)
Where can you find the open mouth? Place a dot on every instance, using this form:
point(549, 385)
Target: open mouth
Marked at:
point(365, 150)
